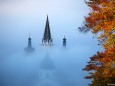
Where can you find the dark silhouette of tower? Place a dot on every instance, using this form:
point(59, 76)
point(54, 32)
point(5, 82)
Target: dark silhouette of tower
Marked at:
point(64, 41)
point(29, 41)
point(29, 48)
point(47, 40)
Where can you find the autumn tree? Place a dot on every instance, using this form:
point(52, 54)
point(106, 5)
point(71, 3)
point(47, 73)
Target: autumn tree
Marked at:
point(101, 19)
point(101, 22)
point(101, 68)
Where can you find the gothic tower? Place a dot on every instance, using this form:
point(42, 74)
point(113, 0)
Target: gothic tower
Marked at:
point(47, 40)
point(29, 48)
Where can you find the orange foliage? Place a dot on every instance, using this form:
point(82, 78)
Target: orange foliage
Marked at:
point(103, 66)
point(102, 19)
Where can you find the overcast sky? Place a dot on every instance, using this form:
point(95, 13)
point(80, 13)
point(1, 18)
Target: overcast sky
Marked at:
point(43, 7)
point(18, 18)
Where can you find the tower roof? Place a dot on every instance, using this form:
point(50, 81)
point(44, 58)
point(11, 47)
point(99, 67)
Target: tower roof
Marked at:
point(47, 34)
point(29, 39)
point(64, 38)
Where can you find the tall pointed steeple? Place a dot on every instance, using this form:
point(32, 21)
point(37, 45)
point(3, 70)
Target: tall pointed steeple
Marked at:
point(47, 40)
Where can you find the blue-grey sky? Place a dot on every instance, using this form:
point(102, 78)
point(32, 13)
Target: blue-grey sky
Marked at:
point(18, 18)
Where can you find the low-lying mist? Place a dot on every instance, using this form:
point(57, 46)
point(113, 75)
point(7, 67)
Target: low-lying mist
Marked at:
point(47, 66)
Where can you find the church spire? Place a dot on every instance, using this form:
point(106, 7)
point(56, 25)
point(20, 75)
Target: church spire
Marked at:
point(47, 40)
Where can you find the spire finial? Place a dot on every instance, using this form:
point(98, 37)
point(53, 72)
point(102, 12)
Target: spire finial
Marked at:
point(29, 35)
point(47, 17)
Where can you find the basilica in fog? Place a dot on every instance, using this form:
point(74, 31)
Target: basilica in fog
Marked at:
point(46, 41)
point(47, 72)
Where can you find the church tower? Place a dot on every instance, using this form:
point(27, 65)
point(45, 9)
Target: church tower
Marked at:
point(29, 42)
point(47, 40)
point(64, 41)
point(29, 48)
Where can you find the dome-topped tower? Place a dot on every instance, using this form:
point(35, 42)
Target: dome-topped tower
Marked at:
point(29, 48)
point(64, 41)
